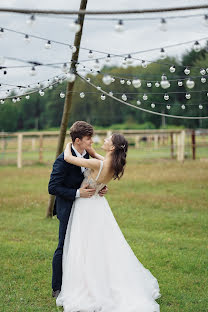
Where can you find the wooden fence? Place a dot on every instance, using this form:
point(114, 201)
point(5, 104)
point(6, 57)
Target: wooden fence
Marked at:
point(177, 139)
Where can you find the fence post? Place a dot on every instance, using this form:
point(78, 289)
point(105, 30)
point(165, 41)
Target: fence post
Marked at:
point(137, 137)
point(171, 145)
point(41, 148)
point(155, 141)
point(193, 144)
point(19, 150)
point(33, 144)
point(181, 146)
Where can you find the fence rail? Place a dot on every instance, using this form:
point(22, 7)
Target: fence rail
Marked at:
point(174, 142)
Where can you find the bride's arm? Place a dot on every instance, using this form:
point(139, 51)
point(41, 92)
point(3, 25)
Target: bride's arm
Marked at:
point(81, 162)
point(94, 154)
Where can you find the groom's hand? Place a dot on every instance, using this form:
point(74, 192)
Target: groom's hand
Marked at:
point(103, 191)
point(85, 192)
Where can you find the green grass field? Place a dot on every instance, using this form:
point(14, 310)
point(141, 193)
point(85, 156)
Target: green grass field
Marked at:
point(160, 206)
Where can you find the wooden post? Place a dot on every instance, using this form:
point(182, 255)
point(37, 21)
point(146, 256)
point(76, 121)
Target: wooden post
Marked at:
point(33, 144)
point(181, 146)
point(109, 133)
point(137, 137)
point(193, 144)
point(19, 150)
point(41, 148)
point(171, 146)
point(68, 99)
point(155, 141)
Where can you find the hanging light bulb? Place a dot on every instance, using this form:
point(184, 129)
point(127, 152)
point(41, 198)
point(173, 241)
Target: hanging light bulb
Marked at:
point(122, 81)
point(149, 84)
point(162, 54)
point(27, 97)
point(27, 38)
point(2, 101)
point(190, 83)
point(110, 93)
point(62, 95)
point(206, 19)
point(119, 26)
point(30, 21)
point(197, 46)
point(82, 95)
point(203, 80)
point(96, 64)
point(183, 106)
point(124, 61)
point(180, 83)
point(138, 102)
point(90, 54)
point(188, 96)
point(1, 32)
point(88, 79)
point(14, 100)
point(145, 97)
point(157, 84)
point(153, 105)
point(163, 24)
point(48, 44)
point(41, 92)
point(18, 99)
point(144, 64)
point(187, 71)
point(74, 49)
point(172, 69)
point(202, 71)
point(102, 97)
point(107, 79)
point(70, 77)
point(168, 106)
point(165, 84)
point(32, 71)
point(50, 87)
point(75, 26)
point(200, 106)
point(129, 60)
point(64, 68)
point(56, 79)
point(136, 83)
point(124, 97)
point(98, 88)
point(128, 82)
point(108, 58)
point(166, 97)
point(113, 79)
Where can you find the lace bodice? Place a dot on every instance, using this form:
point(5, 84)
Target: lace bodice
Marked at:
point(93, 182)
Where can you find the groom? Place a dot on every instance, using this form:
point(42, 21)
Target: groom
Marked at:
point(65, 181)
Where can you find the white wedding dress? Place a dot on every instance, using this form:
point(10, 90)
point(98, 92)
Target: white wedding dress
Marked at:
point(100, 271)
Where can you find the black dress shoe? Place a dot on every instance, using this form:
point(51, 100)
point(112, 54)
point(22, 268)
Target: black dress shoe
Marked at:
point(55, 293)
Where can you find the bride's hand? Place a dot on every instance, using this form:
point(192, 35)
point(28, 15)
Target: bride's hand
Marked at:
point(68, 149)
point(91, 151)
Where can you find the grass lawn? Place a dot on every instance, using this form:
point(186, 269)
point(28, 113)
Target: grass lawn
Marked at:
point(160, 206)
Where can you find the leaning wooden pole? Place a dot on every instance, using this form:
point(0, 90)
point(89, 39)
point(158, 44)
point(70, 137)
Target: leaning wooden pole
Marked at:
point(68, 99)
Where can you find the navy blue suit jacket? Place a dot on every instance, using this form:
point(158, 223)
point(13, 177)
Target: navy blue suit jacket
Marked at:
point(64, 181)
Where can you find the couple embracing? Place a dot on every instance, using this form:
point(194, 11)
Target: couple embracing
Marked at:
point(94, 268)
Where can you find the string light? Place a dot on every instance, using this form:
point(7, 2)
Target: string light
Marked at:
point(183, 106)
point(188, 96)
point(157, 84)
point(138, 102)
point(48, 44)
point(163, 54)
point(122, 81)
point(62, 95)
point(119, 27)
point(82, 95)
point(41, 92)
point(1, 32)
point(108, 58)
point(187, 71)
point(90, 54)
point(149, 84)
point(124, 97)
point(203, 80)
point(168, 107)
point(153, 105)
point(70, 77)
point(202, 71)
point(97, 64)
point(2, 101)
point(27, 97)
point(190, 83)
point(166, 97)
point(111, 93)
point(163, 24)
point(32, 71)
point(200, 106)
point(128, 82)
point(172, 69)
point(98, 88)
point(30, 21)
point(107, 79)
point(144, 64)
point(136, 83)
point(206, 20)
point(180, 83)
point(164, 82)
point(75, 26)
point(197, 46)
point(27, 38)
point(145, 97)
point(103, 97)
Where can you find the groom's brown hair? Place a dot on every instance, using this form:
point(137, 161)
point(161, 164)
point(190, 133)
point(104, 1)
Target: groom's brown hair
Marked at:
point(79, 129)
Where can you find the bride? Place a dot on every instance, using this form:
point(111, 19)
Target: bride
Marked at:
point(100, 271)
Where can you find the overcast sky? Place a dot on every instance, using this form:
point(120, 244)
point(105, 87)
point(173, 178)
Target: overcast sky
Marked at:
point(98, 35)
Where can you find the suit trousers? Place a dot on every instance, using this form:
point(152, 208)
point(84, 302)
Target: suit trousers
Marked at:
point(57, 258)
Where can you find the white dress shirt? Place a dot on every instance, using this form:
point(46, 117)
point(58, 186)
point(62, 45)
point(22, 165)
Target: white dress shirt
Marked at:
point(82, 168)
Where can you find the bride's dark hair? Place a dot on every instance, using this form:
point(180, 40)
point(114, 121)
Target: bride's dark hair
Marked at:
point(119, 154)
